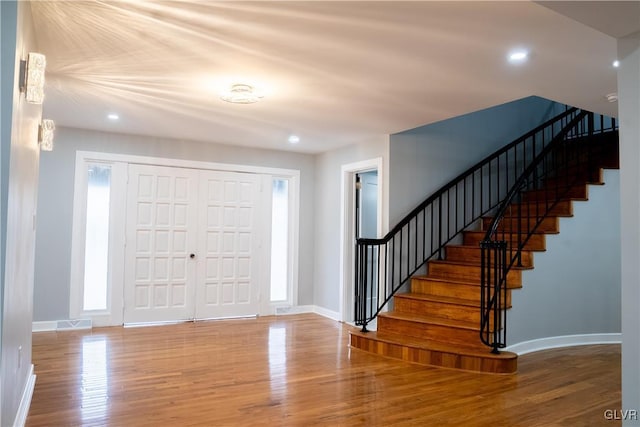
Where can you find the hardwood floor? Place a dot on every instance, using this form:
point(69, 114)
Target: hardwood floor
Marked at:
point(298, 370)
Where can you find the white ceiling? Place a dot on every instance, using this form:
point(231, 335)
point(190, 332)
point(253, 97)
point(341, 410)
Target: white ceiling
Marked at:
point(333, 73)
point(615, 18)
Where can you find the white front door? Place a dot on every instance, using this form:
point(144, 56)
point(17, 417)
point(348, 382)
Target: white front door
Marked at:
point(161, 236)
point(231, 226)
point(193, 244)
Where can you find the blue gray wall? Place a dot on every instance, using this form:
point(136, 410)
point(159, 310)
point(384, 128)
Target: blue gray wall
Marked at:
point(326, 291)
point(20, 157)
point(424, 159)
point(574, 288)
point(53, 249)
point(629, 114)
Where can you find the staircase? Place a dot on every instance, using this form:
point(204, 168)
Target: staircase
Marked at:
point(437, 322)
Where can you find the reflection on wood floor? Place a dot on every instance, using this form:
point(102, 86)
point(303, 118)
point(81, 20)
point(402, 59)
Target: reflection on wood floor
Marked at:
point(299, 371)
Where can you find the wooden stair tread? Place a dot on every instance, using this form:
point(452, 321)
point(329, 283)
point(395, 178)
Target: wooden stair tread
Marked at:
point(477, 350)
point(471, 247)
point(472, 264)
point(441, 299)
point(462, 246)
point(514, 214)
point(457, 281)
point(484, 232)
point(560, 199)
point(561, 208)
point(433, 320)
point(513, 234)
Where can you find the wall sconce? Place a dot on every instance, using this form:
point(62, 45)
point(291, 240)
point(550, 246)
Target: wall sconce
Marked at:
point(45, 134)
point(32, 77)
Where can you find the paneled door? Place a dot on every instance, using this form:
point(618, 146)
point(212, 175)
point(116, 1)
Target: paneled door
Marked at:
point(161, 240)
point(193, 244)
point(231, 219)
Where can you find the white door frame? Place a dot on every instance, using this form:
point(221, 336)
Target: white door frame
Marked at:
point(347, 225)
point(114, 316)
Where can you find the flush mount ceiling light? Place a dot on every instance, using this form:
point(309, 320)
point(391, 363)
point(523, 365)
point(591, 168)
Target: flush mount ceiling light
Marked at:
point(32, 77)
point(241, 93)
point(616, 64)
point(612, 97)
point(45, 134)
point(113, 116)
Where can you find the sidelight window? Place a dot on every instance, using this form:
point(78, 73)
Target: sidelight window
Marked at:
point(280, 240)
point(96, 254)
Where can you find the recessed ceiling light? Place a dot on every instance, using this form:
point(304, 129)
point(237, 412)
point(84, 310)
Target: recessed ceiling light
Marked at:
point(518, 56)
point(294, 139)
point(616, 63)
point(113, 116)
point(241, 93)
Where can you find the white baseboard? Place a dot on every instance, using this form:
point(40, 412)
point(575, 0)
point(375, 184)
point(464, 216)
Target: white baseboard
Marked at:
point(294, 309)
point(61, 325)
point(333, 315)
point(67, 325)
point(563, 341)
point(300, 309)
point(46, 326)
point(25, 402)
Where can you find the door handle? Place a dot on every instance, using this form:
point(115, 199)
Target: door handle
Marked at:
point(192, 256)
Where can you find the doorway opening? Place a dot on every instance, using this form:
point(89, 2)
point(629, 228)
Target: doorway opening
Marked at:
point(362, 191)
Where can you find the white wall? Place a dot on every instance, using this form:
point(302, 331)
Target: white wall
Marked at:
point(574, 288)
point(20, 157)
point(327, 222)
point(629, 115)
point(53, 248)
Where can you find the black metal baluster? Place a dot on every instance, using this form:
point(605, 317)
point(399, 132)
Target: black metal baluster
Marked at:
point(431, 240)
point(448, 214)
point(386, 267)
point(415, 261)
point(503, 305)
point(380, 298)
point(356, 281)
point(393, 261)
point(473, 194)
point(481, 191)
point(489, 187)
point(408, 250)
point(464, 203)
point(424, 234)
point(496, 287)
point(483, 288)
point(440, 228)
point(401, 246)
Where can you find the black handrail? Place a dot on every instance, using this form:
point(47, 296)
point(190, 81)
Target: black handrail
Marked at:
point(574, 157)
point(384, 265)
